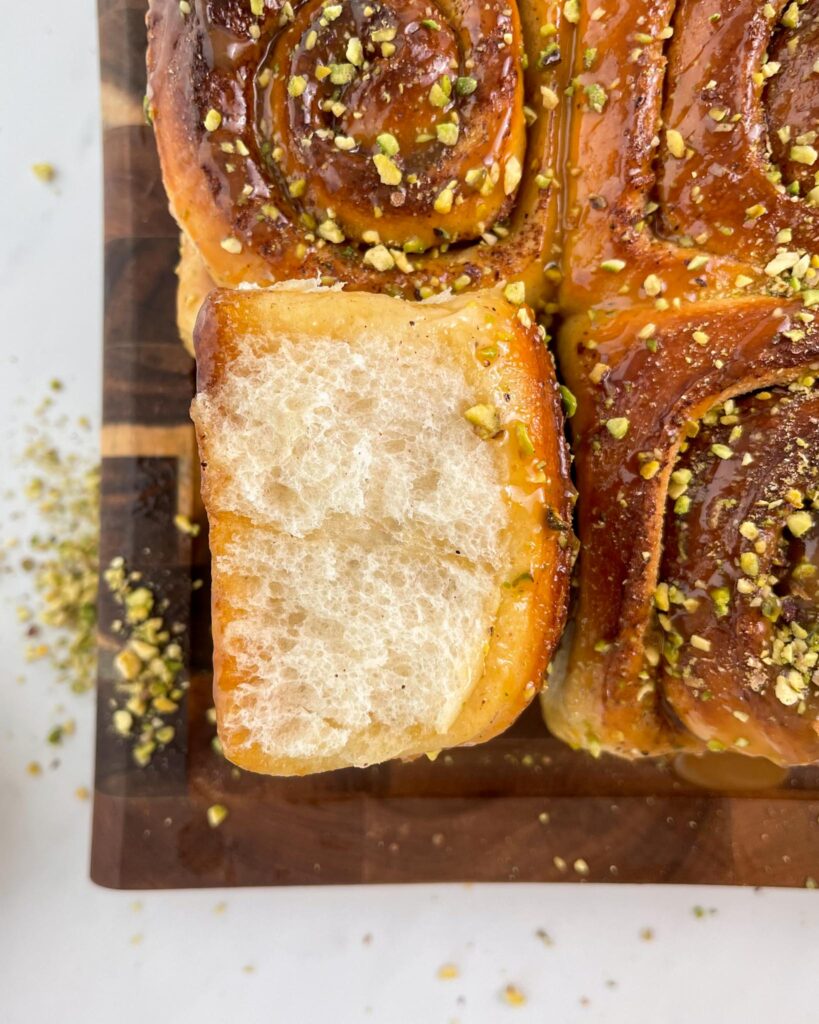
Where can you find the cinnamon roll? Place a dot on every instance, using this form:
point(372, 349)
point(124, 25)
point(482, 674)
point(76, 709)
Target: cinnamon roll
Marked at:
point(407, 148)
point(691, 346)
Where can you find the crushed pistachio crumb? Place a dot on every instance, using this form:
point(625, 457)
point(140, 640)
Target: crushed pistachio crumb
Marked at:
point(216, 814)
point(513, 996)
point(448, 972)
point(44, 172)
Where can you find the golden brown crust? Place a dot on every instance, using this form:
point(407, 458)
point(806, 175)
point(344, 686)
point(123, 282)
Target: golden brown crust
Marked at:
point(276, 182)
point(193, 287)
point(668, 316)
point(531, 612)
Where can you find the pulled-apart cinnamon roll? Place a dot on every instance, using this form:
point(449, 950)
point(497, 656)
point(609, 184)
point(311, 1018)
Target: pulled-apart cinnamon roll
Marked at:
point(691, 345)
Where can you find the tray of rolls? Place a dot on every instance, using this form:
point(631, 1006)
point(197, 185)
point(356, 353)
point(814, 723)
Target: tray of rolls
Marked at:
point(460, 502)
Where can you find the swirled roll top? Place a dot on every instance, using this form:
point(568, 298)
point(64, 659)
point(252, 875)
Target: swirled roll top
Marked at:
point(735, 632)
point(400, 147)
point(381, 109)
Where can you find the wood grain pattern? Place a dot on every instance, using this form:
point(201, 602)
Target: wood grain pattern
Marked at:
point(522, 808)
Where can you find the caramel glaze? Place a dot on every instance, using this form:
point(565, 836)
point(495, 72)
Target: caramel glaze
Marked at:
point(687, 262)
point(667, 317)
point(762, 624)
point(716, 68)
point(307, 99)
point(791, 95)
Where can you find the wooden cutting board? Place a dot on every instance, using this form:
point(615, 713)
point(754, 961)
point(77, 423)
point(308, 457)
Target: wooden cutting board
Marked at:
point(521, 808)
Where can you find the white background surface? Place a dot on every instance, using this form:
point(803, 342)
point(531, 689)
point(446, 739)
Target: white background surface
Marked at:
point(70, 952)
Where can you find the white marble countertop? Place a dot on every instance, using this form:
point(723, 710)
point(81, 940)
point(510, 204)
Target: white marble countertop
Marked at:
point(75, 953)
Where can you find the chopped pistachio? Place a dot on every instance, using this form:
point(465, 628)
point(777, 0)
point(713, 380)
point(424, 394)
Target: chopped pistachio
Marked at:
point(45, 172)
point(231, 245)
point(790, 17)
point(721, 596)
point(675, 143)
point(569, 401)
point(465, 86)
point(722, 451)
point(799, 523)
point(549, 56)
point(388, 170)
point(515, 292)
point(387, 143)
point(524, 441)
point(613, 266)
point(487, 354)
point(512, 174)
point(212, 120)
point(597, 97)
point(700, 643)
point(748, 530)
point(342, 74)
point(380, 258)
point(383, 35)
point(447, 133)
point(749, 563)
point(296, 85)
point(485, 420)
point(781, 262)
point(218, 812)
point(444, 200)
point(128, 664)
point(617, 426)
point(789, 688)
point(512, 995)
point(756, 211)
point(355, 52)
point(331, 232)
point(653, 286)
point(804, 154)
point(549, 97)
point(122, 722)
point(438, 96)
point(461, 283)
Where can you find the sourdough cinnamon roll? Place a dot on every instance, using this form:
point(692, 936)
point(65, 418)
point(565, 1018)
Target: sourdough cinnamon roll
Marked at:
point(691, 346)
point(406, 148)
